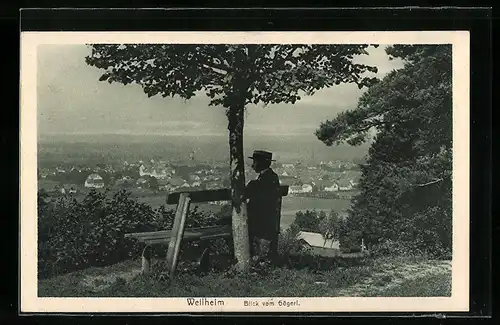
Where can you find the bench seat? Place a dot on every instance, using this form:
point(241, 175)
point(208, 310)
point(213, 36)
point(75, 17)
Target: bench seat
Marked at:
point(178, 233)
point(190, 234)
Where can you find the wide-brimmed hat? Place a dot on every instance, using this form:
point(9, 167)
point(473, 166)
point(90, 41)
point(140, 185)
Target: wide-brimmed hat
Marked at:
point(262, 155)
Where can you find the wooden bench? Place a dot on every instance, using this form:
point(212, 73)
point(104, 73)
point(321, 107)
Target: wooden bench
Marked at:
point(178, 233)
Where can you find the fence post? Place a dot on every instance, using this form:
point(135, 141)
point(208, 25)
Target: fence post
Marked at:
point(177, 232)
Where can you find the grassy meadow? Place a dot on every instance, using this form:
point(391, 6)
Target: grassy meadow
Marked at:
point(395, 277)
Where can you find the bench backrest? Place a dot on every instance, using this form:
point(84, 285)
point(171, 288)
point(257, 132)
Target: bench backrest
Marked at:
point(223, 194)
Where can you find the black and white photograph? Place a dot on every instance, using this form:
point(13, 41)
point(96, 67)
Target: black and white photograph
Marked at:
point(244, 171)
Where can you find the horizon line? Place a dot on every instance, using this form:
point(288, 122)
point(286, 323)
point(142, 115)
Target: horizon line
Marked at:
point(168, 134)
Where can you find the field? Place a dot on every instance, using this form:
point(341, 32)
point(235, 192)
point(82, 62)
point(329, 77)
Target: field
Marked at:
point(290, 205)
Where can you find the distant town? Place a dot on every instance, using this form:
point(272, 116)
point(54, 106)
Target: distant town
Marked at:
point(163, 176)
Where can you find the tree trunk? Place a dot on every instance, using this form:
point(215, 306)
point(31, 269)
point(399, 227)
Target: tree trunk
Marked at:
point(241, 240)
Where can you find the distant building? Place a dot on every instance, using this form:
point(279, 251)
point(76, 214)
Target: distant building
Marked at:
point(295, 189)
point(143, 170)
point(94, 181)
point(176, 181)
point(157, 172)
point(333, 188)
point(345, 185)
point(142, 182)
point(306, 188)
point(318, 244)
point(68, 189)
point(194, 177)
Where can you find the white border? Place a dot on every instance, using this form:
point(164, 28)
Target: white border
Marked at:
point(459, 300)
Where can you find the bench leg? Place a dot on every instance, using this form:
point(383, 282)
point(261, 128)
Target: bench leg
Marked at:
point(146, 260)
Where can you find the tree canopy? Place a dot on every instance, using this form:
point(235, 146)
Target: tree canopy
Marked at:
point(266, 73)
point(406, 181)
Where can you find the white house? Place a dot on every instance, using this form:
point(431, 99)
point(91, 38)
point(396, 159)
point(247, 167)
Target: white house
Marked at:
point(345, 186)
point(94, 181)
point(306, 188)
point(194, 178)
point(143, 171)
point(333, 188)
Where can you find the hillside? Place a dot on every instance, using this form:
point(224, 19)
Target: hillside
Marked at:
point(381, 277)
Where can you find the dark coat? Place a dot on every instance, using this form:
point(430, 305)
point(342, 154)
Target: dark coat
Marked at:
point(263, 206)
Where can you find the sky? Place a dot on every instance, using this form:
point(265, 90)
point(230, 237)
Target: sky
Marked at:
point(71, 100)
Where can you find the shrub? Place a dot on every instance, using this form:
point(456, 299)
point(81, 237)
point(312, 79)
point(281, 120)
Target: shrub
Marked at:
point(395, 248)
point(73, 235)
point(308, 220)
point(349, 237)
point(288, 243)
point(164, 219)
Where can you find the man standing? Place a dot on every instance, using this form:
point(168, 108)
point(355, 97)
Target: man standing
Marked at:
point(263, 206)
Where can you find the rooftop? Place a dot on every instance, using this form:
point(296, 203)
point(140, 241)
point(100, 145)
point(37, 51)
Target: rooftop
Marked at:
point(317, 240)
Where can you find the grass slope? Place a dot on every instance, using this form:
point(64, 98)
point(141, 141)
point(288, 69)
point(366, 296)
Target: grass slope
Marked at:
point(383, 277)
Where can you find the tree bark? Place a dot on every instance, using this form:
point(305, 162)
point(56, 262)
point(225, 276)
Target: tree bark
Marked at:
point(241, 240)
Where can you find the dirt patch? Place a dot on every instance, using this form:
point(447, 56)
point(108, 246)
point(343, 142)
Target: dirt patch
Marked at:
point(389, 275)
point(98, 283)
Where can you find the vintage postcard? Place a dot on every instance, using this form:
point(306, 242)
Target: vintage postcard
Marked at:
point(244, 171)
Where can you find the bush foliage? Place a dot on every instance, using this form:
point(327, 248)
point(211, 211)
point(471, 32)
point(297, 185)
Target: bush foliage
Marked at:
point(76, 234)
